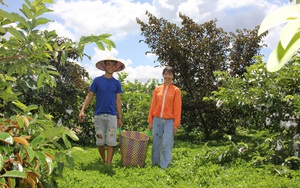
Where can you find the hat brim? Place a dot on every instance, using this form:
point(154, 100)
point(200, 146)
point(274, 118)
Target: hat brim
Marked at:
point(101, 64)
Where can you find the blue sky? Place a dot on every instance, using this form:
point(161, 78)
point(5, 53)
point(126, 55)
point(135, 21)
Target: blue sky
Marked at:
point(76, 18)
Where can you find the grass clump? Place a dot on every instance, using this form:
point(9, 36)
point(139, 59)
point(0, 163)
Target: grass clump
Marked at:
point(192, 166)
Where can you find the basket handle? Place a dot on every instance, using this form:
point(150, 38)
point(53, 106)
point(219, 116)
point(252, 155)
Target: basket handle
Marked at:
point(149, 132)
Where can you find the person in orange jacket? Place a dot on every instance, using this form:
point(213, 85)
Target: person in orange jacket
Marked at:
point(164, 118)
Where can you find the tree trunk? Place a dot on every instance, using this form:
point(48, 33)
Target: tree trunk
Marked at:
point(205, 127)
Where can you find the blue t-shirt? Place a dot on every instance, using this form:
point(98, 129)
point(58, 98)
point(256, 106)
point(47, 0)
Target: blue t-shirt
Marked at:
point(105, 90)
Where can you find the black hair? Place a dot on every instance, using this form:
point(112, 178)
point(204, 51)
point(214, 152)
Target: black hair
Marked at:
point(169, 69)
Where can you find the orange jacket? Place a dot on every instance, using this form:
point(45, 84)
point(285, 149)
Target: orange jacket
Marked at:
point(166, 104)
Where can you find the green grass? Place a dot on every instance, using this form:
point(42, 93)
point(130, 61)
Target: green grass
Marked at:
point(189, 168)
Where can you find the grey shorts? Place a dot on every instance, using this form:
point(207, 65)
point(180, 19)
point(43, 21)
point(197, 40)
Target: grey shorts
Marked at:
point(106, 126)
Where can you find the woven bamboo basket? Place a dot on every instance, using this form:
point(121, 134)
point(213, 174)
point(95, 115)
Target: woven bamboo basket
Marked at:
point(133, 147)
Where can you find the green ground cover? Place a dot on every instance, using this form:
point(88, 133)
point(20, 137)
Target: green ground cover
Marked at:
point(189, 168)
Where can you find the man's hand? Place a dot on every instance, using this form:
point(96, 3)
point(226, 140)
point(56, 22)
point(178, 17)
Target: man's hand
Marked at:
point(120, 123)
point(81, 117)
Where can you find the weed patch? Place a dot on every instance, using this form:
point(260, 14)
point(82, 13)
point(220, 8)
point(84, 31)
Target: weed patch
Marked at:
point(189, 168)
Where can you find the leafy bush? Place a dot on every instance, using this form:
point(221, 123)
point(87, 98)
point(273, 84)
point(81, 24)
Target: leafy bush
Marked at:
point(24, 159)
point(136, 101)
point(264, 101)
point(26, 54)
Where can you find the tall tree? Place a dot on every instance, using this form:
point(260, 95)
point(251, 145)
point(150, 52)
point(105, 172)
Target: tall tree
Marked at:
point(245, 45)
point(26, 54)
point(71, 86)
point(196, 51)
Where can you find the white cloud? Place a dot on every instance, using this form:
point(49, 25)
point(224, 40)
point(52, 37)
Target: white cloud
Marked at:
point(140, 73)
point(199, 10)
point(97, 17)
point(118, 17)
point(166, 4)
point(144, 73)
point(234, 4)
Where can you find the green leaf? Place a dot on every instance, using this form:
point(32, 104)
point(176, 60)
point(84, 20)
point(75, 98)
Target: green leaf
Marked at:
point(2, 30)
point(105, 35)
point(14, 174)
point(288, 32)
point(30, 107)
point(41, 112)
point(41, 157)
point(6, 15)
point(10, 78)
point(71, 134)
point(48, 1)
point(28, 2)
point(63, 57)
point(42, 11)
point(109, 43)
point(40, 80)
point(1, 161)
point(2, 180)
point(36, 141)
point(100, 45)
point(51, 67)
point(19, 105)
point(20, 122)
point(17, 34)
point(54, 73)
point(26, 11)
point(83, 40)
point(49, 165)
point(66, 141)
point(278, 17)
point(49, 47)
point(9, 95)
point(53, 132)
point(29, 151)
point(41, 21)
point(57, 145)
point(20, 19)
point(70, 161)
point(280, 56)
point(60, 167)
point(6, 137)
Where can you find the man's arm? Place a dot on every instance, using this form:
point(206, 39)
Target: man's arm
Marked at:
point(119, 109)
point(87, 101)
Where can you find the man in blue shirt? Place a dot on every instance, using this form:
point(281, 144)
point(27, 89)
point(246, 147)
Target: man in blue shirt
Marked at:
point(108, 115)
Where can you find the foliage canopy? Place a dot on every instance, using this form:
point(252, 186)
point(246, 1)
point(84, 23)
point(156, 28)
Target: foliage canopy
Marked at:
point(196, 51)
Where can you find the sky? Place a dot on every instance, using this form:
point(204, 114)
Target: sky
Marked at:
point(76, 18)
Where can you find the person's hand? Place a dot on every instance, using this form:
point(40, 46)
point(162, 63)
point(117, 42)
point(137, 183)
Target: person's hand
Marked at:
point(175, 129)
point(120, 123)
point(81, 117)
point(150, 126)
